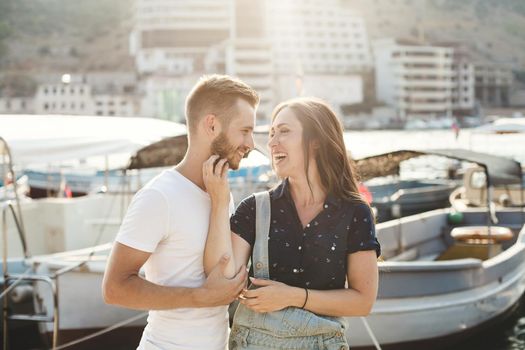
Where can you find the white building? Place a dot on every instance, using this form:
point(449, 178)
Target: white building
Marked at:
point(83, 99)
point(72, 99)
point(173, 36)
point(317, 37)
point(318, 47)
point(415, 79)
point(16, 105)
point(249, 52)
point(463, 99)
point(493, 83)
point(267, 44)
point(115, 105)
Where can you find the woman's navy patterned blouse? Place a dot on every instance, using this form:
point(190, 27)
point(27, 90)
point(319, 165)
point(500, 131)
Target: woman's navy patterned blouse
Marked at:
point(315, 256)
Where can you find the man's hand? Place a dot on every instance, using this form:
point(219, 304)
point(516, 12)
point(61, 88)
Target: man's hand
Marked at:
point(219, 290)
point(215, 176)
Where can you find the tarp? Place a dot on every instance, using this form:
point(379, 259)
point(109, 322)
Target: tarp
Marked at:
point(500, 170)
point(46, 139)
point(170, 151)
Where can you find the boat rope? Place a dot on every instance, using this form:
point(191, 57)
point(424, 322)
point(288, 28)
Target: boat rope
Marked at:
point(371, 334)
point(15, 283)
point(103, 331)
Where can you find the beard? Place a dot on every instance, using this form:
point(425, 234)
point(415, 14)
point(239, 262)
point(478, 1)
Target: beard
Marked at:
point(224, 149)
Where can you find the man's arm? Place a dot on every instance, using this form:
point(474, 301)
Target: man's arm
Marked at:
point(123, 286)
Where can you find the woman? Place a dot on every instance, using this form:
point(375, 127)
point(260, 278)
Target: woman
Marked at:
point(321, 234)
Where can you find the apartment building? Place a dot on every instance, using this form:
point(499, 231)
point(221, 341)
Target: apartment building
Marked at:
point(16, 105)
point(493, 83)
point(173, 36)
point(416, 79)
point(61, 98)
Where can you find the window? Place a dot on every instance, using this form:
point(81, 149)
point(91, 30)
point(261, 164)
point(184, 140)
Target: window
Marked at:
point(46, 106)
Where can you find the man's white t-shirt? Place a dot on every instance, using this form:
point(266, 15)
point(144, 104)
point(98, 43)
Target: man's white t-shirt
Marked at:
point(169, 218)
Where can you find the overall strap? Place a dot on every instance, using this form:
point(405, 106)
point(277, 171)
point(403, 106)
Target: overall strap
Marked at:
point(262, 230)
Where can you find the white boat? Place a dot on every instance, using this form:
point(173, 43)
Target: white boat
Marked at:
point(502, 126)
point(446, 273)
point(58, 224)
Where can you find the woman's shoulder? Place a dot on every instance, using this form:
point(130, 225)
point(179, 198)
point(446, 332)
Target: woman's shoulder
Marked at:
point(360, 208)
point(248, 201)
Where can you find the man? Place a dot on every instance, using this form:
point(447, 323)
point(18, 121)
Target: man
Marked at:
point(166, 226)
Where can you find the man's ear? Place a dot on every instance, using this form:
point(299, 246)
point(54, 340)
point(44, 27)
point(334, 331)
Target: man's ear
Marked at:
point(211, 126)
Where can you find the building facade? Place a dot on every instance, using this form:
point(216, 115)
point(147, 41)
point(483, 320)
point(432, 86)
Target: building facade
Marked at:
point(415, 79)
point(493, 84)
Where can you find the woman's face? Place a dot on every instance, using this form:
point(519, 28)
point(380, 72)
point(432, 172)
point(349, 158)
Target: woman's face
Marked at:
point(286, 144)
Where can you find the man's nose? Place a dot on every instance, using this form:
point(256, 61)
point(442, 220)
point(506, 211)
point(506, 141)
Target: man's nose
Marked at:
point(250, 143)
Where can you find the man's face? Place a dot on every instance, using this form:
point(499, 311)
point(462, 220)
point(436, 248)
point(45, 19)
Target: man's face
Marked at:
point(236, 141)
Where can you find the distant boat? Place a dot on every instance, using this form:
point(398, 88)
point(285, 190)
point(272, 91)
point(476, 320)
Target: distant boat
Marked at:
point(502, 126)
point(393, 197)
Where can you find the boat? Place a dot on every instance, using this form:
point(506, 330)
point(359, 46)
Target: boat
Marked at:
point(53, 224)
point(447, 274)
point(502, 126)
point(474, 192)
point(394, 196)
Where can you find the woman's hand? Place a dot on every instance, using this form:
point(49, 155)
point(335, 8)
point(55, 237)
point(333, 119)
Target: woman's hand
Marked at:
point(271, 296)
point(215, 176)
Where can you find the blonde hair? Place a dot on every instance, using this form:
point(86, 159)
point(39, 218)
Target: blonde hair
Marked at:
point(217, 94)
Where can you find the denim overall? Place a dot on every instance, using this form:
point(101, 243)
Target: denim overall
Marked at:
point(290, 328)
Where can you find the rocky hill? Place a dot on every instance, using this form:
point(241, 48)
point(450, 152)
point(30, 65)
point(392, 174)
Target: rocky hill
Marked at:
point(80, 35)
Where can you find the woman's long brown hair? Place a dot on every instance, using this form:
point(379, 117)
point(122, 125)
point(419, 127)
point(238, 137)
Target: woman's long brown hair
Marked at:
point(319, 122)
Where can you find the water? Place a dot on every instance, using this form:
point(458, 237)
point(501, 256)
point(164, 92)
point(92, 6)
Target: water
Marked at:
point(366, 143)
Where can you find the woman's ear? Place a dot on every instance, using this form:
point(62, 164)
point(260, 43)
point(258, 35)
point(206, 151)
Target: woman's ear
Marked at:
point(316, 144)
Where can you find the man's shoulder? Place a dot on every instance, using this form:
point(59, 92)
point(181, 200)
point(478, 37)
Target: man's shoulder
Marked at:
point(164, 180)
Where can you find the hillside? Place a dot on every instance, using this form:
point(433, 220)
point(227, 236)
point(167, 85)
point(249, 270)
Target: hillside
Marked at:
point(79, 35)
